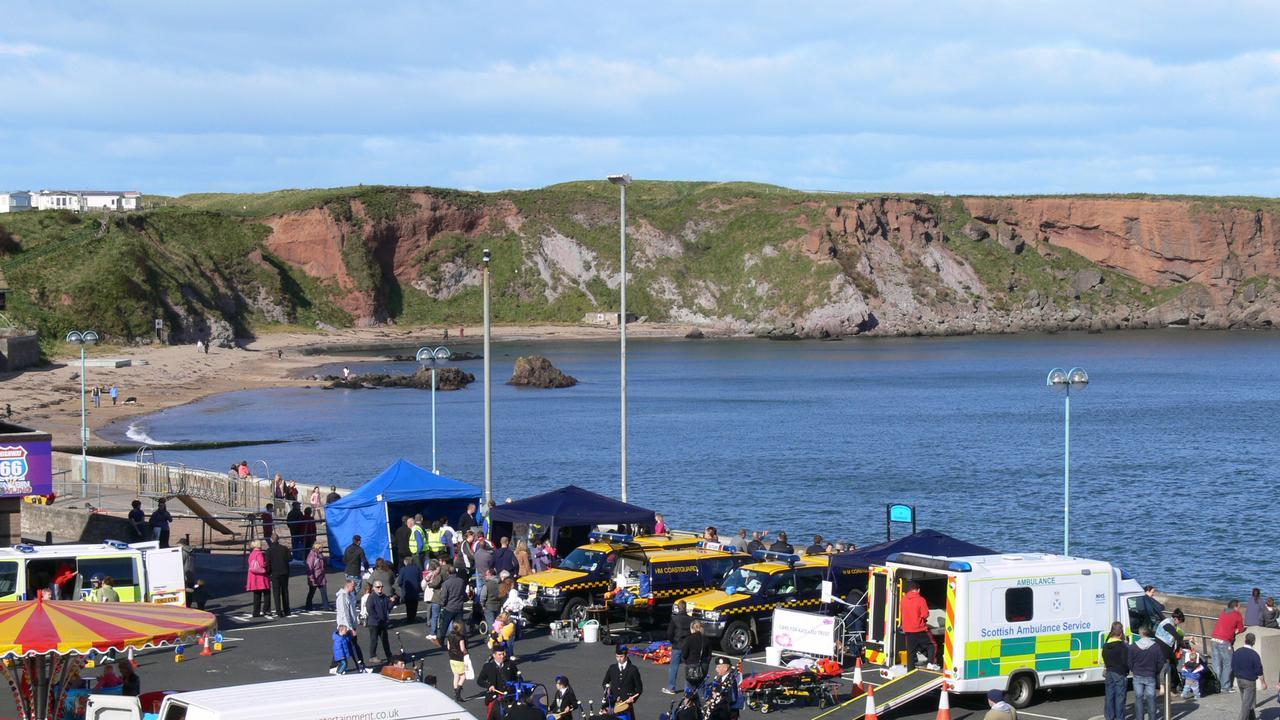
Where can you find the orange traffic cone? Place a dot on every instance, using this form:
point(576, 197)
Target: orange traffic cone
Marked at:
point(857, 674)
point(871, 704)
point(206, 650)
point(944, 704)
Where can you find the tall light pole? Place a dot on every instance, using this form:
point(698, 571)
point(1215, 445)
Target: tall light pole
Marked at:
point(488, 424)
point(82, 338)
point(431, 355)
point(1058, 380)
point(622, 181)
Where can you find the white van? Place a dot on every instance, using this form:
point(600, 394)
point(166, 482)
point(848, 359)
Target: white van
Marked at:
point(1003, 622)
point(333, 697)
point(141, 572)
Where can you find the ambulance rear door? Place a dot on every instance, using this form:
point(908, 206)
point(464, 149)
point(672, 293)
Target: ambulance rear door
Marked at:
point(163, 579)
point(880, 627)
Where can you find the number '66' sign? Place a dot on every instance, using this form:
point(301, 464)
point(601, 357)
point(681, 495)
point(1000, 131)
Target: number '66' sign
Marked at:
point(13, 463)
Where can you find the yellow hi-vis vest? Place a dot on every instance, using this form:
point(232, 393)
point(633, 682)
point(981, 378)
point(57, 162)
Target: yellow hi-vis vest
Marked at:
point(435, 541)
point(416, 540)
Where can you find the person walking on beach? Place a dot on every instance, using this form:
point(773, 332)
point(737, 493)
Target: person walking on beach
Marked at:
point(1246, 665)
point(316, 579)
point(115, 394)
point(1115, 661)
point(160, 519)
point(278, 557)
point(97, 396)
point(1230, 624)
point(258, 579)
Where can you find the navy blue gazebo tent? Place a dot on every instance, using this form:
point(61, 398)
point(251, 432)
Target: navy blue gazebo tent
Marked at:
point(567, 515)
point(924, 542)
point(373, 509)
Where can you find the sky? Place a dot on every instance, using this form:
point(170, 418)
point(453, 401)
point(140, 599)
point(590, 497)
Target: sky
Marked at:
point(1024, 96)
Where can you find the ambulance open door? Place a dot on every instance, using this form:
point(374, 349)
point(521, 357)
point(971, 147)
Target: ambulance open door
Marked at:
point(880, 627)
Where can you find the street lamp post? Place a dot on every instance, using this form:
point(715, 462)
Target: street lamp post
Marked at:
point(82, 338)
point(1058, 380)
point(488, 397)
point(431, 355)
point(622, 181)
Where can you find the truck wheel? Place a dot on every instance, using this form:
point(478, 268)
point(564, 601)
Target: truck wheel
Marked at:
point(736, 639)
point(1022, 689)
point(573, 611)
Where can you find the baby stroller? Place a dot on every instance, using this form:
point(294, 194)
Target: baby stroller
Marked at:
point(769, 691)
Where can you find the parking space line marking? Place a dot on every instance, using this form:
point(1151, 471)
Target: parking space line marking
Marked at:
point(1036, 715)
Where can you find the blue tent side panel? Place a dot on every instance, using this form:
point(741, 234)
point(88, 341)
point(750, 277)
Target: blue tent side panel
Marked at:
point(364, 511)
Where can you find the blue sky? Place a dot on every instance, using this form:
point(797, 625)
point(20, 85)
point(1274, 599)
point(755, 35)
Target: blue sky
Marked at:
point(972, 97)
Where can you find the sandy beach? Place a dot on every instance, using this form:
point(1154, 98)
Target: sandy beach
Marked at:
point(47, 398)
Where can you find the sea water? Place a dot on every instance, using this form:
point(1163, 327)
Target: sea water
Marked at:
point(1173, 443)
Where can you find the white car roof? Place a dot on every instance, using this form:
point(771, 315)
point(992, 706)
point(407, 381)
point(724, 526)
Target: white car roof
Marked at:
point(356, 695)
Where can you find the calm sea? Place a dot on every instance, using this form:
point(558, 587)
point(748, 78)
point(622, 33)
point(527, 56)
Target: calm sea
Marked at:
point(1173, 444)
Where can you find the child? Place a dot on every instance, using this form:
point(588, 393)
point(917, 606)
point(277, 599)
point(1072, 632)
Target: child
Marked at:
point(198, 596)
point(342, 651)
point(110, 678)
point(1190, 673)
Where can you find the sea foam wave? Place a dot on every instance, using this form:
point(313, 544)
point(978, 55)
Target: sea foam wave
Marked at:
point(139, 434)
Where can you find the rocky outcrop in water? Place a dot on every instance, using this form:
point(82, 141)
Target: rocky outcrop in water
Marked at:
point(537, 371)
point(447, 378)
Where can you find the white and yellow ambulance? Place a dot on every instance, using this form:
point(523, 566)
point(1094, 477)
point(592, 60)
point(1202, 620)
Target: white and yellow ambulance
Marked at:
point(140, 572)
point(1015, 623)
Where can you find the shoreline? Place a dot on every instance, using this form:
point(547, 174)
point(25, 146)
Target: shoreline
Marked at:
point(46, 397)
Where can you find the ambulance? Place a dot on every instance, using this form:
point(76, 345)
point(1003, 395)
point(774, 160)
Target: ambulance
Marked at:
point(141, 572)
point(1015, 623)
point(563, 591)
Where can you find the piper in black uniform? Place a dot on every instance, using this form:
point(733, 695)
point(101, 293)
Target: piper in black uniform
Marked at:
point(563, 702)
point(622, 685)
point(497, 671)
point(724, 692)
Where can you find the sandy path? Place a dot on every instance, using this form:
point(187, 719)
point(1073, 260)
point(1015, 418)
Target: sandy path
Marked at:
point(47, 398)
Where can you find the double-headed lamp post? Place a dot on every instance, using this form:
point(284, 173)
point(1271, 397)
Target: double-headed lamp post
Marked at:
point(1078, 379)
point(82, 338)
point(622, 181)
point(429, 356)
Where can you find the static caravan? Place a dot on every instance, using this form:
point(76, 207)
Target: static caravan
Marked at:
point(1009, 622)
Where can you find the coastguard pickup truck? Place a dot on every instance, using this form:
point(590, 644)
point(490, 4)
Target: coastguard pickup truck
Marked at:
point(740, 612)
point(563, 591)
point(649, 584)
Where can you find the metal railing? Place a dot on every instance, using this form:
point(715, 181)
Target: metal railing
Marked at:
point(169, 479)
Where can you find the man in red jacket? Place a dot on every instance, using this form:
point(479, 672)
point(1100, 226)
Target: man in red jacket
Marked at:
point(915, 625)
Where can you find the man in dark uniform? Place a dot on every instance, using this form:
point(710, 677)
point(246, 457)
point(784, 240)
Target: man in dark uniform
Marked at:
point(622, 683)
point(724, 692)
point(278, 557)
point(494, 675)
point(781, 545)
point(400, 546)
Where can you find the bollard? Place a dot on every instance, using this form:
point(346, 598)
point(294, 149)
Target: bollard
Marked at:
point(178, 653)
point(217, 642)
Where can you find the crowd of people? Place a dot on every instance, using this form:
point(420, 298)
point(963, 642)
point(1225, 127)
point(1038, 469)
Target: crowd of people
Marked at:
point(1165, 659)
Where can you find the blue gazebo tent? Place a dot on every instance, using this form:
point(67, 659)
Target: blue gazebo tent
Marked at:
point(567, 515)
point(374, 509)
point(924, 542)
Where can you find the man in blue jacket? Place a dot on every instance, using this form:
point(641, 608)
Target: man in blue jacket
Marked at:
point(409, 582)
point(379, 621)
point(1246, 667)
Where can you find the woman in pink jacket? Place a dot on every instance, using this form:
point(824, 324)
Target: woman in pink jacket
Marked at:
point(258, 582)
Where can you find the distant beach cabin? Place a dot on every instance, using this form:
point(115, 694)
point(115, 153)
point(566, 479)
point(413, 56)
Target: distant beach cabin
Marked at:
point(87, 200)
point(606, 319)
point(15, 201)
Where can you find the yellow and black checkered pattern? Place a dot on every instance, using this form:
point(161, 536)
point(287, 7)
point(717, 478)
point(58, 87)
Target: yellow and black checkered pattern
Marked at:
point(585, 585)
point(767, 607)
